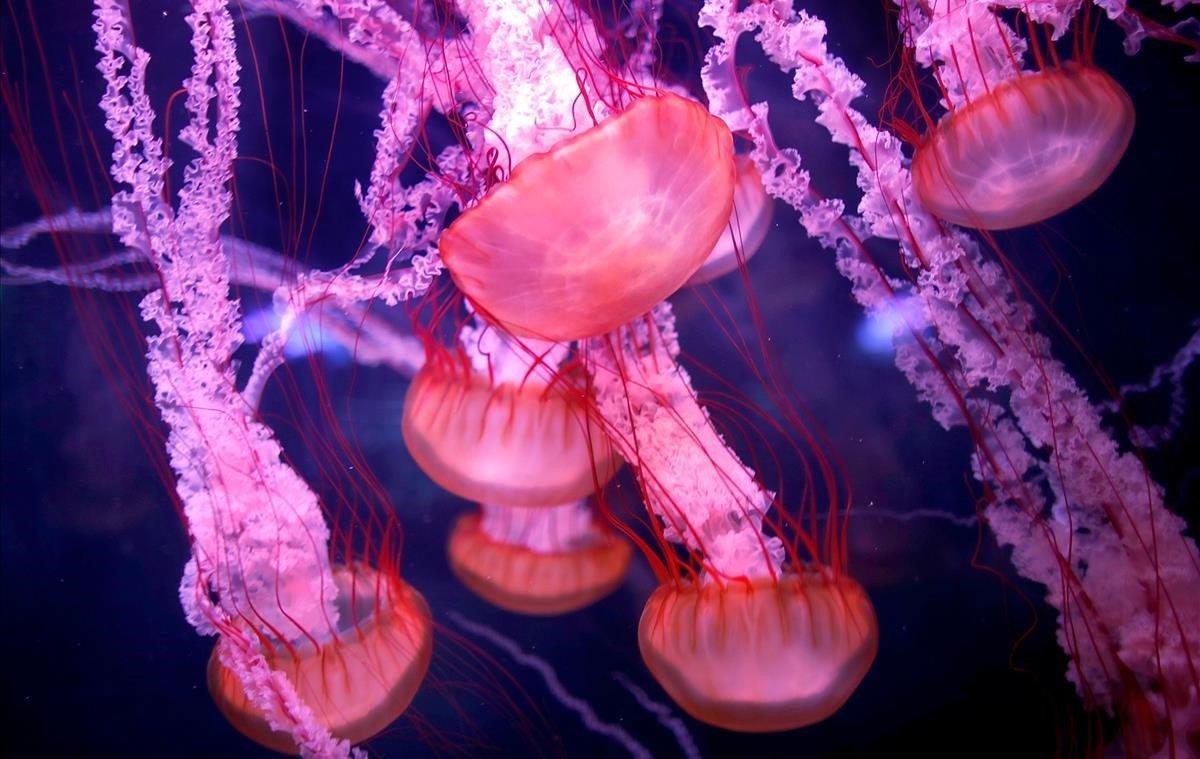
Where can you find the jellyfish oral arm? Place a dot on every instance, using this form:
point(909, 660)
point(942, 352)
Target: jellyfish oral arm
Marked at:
point(1166, 378)
point(74, 220)
point(972, 49)
point(422, 74)
point(278, 700)
point(359, 43)
point(1058, 14)
point(371, 339)
point(501, 358)
point(557, 690)
point(537, 99)
point(543, 529)
point(229, 467)
point(705, 496)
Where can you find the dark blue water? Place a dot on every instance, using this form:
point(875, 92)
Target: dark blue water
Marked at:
point(100, 662)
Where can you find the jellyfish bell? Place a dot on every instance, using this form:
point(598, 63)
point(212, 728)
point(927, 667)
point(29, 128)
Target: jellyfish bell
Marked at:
point(596, 231)
point(748, 225)
point(1027, 150)
point(516, 443)
point(762, 655)
point(358, 679)
point(560, 569)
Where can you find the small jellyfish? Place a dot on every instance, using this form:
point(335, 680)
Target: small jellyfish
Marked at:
point(541, 561)
point(1026, 150)
point(763, 655)
point(595, 232)
point(526, 444)
point(748, 225)
point(357, 680)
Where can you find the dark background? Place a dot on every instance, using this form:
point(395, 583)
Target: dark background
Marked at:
point(101, 662)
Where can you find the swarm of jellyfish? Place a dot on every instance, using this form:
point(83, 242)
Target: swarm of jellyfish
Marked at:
point(544, 180)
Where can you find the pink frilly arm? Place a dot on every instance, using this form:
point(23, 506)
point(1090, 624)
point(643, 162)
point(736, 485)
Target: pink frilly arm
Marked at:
point(259, 539)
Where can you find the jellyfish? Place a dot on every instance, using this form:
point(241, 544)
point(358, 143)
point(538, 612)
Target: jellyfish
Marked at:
point(516, 442)
point(320, 642)
point(762, 655)
point(757, 625)
point(1030, 149)
point(356, 679)
point(748, 225)
point(596, 231)
point(1016, 146)
point(538, 561)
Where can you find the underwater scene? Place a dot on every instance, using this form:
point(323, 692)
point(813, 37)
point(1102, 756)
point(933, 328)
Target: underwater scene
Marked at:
point(600, 378)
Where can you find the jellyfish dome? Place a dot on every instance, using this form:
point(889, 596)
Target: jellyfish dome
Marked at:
point(762, 655)
point(561, 565)
point(358, 680)
point(595, 232)
point(518, 444)
point(748, 225)
point(1030, 148)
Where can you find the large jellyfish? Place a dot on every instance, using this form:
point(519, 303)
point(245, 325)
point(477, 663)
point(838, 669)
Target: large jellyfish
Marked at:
point(594, 232)
point(1016, 146)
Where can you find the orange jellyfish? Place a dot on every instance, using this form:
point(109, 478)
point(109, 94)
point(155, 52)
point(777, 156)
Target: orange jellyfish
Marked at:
point(516, 444)
point(1031, 148)
point(756, 625)
point(358, 679)
point(595, 232)
point(759, 656)
point(517, 559)
point(748, 225)
point(1019, 143)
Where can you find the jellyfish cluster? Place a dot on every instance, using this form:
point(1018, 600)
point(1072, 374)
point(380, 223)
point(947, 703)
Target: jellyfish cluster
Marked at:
point(526, 257)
